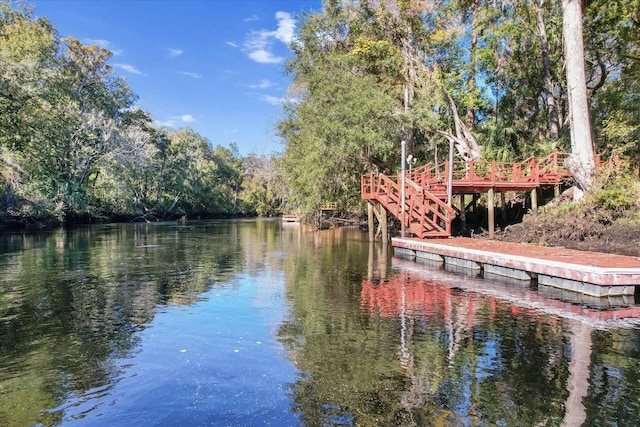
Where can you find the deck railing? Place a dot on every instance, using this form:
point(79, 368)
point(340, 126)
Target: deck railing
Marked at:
point(425, 214)
point(425, 211)
point(547, 169)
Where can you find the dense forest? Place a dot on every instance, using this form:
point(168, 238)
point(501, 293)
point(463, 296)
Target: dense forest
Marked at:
point(496, 77)
point(368, 74)
point(75, 148)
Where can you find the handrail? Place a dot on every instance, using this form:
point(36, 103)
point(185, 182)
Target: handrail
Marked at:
point(425, 212)
point(548, 169)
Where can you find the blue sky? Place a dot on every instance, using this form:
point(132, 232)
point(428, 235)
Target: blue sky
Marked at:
point(215, 66)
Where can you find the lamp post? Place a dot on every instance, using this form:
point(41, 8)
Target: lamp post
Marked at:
point(411, 161)
point(450, 177)
point(403, 156)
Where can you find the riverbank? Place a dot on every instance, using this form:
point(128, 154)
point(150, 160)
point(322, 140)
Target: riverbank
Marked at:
point(41, 223)
point(595, 230)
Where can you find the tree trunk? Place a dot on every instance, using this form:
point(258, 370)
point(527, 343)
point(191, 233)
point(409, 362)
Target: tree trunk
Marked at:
point(552, 109)
point(470, 118)
point(411, 78)
point(582, 151)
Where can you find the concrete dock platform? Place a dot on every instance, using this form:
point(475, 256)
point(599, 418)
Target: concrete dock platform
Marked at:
point(589, 273)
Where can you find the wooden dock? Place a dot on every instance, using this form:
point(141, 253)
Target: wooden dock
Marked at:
point(290, 219)
point(420, 198)
point(589, 273)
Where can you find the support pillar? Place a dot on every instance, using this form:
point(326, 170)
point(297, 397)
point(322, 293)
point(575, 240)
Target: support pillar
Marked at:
point(370, 222)
point(556, 191)
point(403, 183)
point(381, 214)
point(490, 213)
point(463, 212)
point(383, 225)
point(534, 202)
point(503, 204)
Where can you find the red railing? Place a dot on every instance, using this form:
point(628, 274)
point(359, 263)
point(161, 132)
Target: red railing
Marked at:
point(543, 170)
point(424, 213)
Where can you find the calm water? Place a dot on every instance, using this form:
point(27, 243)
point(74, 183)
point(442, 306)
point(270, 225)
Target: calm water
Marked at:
point(250, 323)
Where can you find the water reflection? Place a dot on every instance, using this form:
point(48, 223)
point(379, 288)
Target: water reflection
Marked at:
point(74, 304)
point(258, 323)
point(429, 347)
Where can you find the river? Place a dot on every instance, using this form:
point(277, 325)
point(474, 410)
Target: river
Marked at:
point(258, 323)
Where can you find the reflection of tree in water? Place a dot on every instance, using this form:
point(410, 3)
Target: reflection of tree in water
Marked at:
point(78, 298)
point(416, 352)
point(615, 381)
point(347, 371)
point(476, 359)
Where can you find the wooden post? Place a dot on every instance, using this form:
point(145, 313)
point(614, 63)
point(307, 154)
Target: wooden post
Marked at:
point(534, 202)
point(381, 214)
point(490, 216)
point(370, 222)
point(463, 212)
point(503, 203)
point(556, 191)
point(403, 184)
point(383, 224)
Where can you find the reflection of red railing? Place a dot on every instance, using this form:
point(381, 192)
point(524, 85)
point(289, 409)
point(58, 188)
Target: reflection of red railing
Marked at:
point(407, 294)
point(414, 297)
point(425, 211)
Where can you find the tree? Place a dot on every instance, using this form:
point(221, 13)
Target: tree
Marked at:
point(613, 58)
point(549, 86)
point(582, 160)
point(262, 186)
point(341, 121)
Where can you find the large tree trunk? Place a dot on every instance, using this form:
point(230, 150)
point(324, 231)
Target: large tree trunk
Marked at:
point(552, 109)
point(470, 118)
point(582, 163)
point(409, 56)
point(464, 141)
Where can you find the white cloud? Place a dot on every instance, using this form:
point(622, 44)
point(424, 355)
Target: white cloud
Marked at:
point(264, 57)
point(232, 44)
point(259, 44)
point(98, 42)
point(286, 27)
point(175, 52)
point(105, 44)
point(176, 121)
point(252, 18)
point(191, 74)
point(128, 68)
point(273, 100)
point(264, 84)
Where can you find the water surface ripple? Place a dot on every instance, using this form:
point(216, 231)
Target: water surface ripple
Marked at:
point(254, 322)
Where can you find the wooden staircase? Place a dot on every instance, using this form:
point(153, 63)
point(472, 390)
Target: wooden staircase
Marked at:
point(425, 213)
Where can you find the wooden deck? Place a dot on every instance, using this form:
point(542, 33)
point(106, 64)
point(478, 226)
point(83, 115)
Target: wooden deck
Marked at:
point(589, 273)
point(290, 219)
point(419, 198)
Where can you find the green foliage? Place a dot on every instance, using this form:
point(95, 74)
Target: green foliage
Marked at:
point(263, 186)
point(344, 122)
point(74, 146)
point(366, 76)
point(617, 189)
